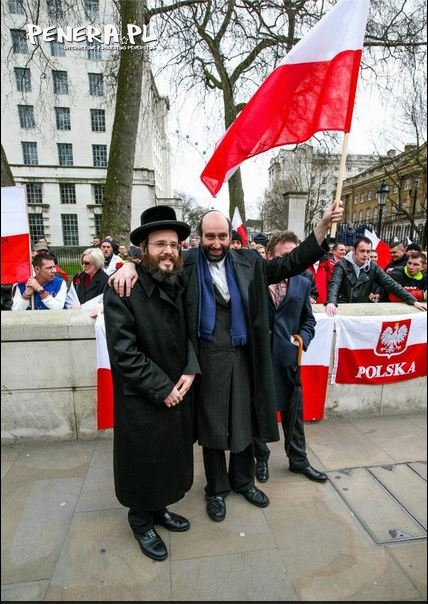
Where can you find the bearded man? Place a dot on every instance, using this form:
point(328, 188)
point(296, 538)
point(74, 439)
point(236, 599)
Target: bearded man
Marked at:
point(153, 366)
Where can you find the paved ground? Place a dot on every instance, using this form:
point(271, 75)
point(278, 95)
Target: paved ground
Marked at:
point(361, 536)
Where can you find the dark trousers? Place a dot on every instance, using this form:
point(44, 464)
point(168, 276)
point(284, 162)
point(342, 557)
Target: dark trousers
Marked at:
point(297, 450)
point(221, 480)
point(142, 520)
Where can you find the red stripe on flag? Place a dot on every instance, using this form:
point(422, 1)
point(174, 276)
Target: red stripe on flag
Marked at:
point(314, 390)
point(105, 407)
point(364, 367)
point(15, 258)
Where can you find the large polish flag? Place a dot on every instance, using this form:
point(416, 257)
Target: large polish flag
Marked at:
point(239, 226)
point(380, 349)
point(383, 252)
point(105, 398)
point(312, 89)
point(15, 236)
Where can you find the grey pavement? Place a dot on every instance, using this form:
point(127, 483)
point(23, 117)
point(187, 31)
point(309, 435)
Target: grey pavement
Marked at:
point(360, 536)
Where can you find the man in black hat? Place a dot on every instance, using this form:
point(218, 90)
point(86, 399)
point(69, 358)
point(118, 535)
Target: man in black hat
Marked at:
point(228, 318)
point(153, 366)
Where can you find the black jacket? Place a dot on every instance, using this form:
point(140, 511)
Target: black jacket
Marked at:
point(344, 285)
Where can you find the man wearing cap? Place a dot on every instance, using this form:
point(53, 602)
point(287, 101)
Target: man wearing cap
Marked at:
point(43, 248)
point(112, 261)
point(228, 317)
point(153, 366)
point(236, 240)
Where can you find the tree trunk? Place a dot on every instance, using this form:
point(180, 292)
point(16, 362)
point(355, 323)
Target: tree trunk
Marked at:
point(7, 179)
point(116, 216)
point(236, 191)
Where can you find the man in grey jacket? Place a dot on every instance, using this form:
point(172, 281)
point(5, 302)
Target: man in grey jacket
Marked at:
point(355, 277)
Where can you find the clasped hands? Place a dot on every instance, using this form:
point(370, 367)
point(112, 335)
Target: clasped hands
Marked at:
point(180, 390)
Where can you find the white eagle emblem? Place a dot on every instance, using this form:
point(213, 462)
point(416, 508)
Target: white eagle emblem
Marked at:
point(392, 339)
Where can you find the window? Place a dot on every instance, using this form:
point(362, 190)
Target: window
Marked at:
point(23, 79)
point(60, 81)
point(34, 192)
point(15, 7)
point(98, 120)
point(97, 218)
point(35, 222)
point(360, 216)
point(406, 183)
point(29, 154)
point(62, 117)
point(19, 41)
point(26, 116)
point(98, 191)
point(92, 10)
point(96, 84)
point(99, 155)
point(57, 49)
point(369, 195)
point(70, 230)
point(94, 51)
point(65, 154)
point(55, 9)
point(67, 192)
point(368, 215)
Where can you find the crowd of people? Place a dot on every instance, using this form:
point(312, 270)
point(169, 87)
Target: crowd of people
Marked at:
point(204, 337)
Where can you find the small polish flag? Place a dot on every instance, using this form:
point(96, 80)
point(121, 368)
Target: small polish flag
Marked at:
point(383, 252)
point(105, 398)
point(15, 236)
point(239, 226)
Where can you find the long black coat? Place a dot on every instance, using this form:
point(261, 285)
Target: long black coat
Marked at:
point(212, 391)
point(149, 350)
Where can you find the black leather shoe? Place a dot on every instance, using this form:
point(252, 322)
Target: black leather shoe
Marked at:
point(310, 473)
point(173, 522)
point(262, 471)
point(151, 544)
point(216, 507)
point(256, 497)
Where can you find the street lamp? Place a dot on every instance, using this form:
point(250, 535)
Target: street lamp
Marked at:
point(381, 196)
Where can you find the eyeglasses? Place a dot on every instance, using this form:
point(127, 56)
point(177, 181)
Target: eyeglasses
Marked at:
point(161, 245)
point(86, 263)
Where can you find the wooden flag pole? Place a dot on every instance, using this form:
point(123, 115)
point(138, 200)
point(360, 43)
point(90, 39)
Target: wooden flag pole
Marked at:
point(340, 178)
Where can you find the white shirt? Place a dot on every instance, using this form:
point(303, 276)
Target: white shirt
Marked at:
point(218, 272)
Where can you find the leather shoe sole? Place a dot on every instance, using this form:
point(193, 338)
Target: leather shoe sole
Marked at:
point(262, 471)
point(310, 473)
point(152, 545)
point(173, 522)
point(256, 497)
point(216, 508)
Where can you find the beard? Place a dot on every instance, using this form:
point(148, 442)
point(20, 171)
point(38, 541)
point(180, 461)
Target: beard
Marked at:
point(172, 277)
point(211, 257)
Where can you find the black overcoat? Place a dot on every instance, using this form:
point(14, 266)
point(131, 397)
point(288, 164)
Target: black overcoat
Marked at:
point(149, 350)
point(212, 391)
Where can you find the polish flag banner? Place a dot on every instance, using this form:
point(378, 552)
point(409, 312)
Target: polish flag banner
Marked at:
point(311, 90)
point(15, 236)
point(314, 369)
point(239, 226)
point(105, 397)
point(382, 248)
point(380, 349)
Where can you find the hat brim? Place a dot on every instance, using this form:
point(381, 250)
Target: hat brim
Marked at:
point(181, 228)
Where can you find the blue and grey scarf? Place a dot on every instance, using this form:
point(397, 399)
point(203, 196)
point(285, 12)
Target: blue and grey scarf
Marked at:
point(206, 318)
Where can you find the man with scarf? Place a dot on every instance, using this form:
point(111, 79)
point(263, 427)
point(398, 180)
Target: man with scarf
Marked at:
point(228, 318)
point(355, 277)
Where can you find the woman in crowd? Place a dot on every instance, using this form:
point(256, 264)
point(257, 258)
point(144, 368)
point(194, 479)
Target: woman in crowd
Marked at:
point(90, 282)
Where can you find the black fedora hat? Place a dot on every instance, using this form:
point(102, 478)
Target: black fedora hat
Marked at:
point(159, 218)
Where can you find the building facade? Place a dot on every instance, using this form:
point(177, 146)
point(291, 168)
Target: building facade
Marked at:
point(58, 104)
point(403, 178)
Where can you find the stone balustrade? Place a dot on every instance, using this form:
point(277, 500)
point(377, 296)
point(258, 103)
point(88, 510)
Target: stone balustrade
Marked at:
point(49, 377)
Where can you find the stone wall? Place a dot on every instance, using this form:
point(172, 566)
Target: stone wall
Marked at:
point(49, 377)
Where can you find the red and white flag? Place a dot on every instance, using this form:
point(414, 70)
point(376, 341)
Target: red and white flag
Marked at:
point(15, 236)
point(380, 349)
point(314, 369)
point(311, 90)
point(383, 252)
point(239, 226)
point(105, 397)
